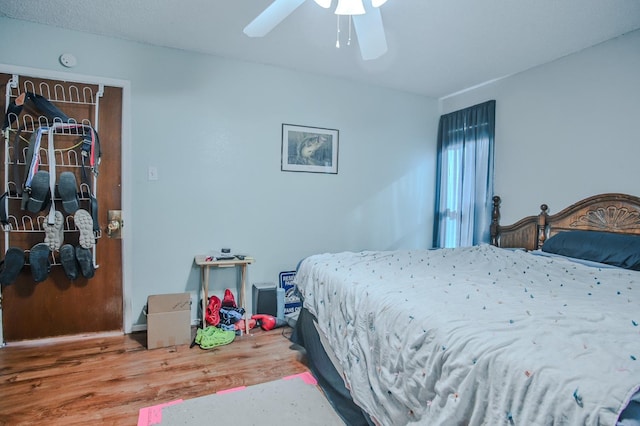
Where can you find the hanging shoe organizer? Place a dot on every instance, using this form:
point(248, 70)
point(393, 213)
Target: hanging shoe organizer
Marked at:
point(65, 154)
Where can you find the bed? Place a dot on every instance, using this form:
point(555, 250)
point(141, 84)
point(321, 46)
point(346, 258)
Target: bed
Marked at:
point(540, 327)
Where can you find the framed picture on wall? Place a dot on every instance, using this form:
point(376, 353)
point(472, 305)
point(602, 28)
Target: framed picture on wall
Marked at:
point(309, 149)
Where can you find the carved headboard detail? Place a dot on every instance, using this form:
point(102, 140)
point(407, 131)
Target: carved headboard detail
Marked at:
point(609, 217)
point(613, 212)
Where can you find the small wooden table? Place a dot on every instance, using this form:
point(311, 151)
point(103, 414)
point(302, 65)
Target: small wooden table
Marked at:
point(206, 262)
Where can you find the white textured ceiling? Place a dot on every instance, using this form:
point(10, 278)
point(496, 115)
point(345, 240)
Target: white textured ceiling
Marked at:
point(436, 47)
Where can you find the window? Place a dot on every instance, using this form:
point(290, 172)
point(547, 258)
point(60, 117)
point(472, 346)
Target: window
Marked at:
point(464, 184)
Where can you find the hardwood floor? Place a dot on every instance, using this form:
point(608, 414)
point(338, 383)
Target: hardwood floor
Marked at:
point(106, 380)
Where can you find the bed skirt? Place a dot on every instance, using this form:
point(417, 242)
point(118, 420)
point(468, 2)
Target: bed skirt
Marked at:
point(306, 335)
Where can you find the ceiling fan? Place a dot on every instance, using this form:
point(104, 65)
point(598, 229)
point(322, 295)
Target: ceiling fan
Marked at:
point(366, 17)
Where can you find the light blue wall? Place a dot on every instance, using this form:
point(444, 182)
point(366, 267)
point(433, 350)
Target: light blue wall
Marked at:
point(212, 127)
point(566, 130)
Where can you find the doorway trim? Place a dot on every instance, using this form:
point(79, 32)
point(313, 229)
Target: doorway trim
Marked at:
point(126, 194)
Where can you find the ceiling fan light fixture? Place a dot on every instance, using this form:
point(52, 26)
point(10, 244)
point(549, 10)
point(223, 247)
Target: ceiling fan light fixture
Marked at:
point(324, 3)
point(350, 7)
point(376, 3)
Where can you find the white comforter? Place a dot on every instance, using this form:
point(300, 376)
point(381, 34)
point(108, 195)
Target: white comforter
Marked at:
point(480, 335)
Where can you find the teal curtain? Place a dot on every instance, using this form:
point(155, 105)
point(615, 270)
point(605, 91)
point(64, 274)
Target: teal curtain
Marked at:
point(464, 182)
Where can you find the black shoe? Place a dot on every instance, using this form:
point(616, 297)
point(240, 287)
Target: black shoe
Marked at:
point(68, 260)
point(68, 191)
point(11, 266)
point(85, 260)
point(40, 263)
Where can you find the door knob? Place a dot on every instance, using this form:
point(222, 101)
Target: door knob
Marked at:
point(115, 224)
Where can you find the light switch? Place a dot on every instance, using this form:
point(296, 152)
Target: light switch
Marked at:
point(153, 173)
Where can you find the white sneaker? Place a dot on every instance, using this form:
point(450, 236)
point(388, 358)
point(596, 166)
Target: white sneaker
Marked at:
point(54, 233)
point(84, 223)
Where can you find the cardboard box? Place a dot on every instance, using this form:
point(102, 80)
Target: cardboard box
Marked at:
point(168, 320)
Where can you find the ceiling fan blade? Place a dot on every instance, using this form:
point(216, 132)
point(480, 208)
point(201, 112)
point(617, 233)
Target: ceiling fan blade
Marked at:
point(370, 32)
point(271, 16)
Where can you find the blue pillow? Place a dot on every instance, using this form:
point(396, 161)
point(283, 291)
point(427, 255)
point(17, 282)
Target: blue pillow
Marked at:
point(604, 247)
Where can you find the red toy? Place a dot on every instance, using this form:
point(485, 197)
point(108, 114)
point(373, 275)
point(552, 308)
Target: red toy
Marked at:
point(229, 300)
point(239, 325)
point(212, 316)
point(266, 322)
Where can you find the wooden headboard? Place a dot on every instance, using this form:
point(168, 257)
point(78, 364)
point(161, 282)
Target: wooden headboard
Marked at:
point(617, 213)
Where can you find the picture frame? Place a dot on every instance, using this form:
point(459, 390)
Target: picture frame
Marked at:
point(309, 149)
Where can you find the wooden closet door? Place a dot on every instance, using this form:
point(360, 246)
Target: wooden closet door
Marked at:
point(59, 306)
